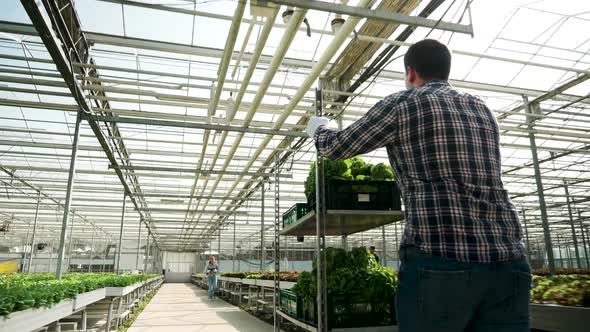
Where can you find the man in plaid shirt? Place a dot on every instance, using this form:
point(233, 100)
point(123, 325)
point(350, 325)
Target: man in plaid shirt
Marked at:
point(463, 262)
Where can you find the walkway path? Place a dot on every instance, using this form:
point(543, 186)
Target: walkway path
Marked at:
point(185, 308)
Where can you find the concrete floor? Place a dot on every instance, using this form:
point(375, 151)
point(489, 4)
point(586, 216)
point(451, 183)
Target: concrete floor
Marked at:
point(185, 308)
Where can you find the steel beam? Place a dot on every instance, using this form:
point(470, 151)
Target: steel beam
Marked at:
point(193, 125)
point(377, 14)
point(30, 261)
point(91, 253)
point(233, 264)
point(147, 253)
point(262, 246)
point(138, 247)
point(320, 210)
point(526, 232)
point(539, 181)
point(57, 37)
point(585, 239)
point(277, 247)
point(71, 242)
point(120, 246)
point(569, 211)
point(196, 171)
point(384, 259)
point(68, 203)
point(26, 29)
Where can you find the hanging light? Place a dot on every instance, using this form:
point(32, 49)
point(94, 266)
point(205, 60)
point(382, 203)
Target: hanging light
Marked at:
point(287, 14)
point(337, 23)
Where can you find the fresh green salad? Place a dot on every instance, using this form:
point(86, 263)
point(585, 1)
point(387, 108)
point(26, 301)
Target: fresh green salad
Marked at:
point(354, 169)
point(24, 291)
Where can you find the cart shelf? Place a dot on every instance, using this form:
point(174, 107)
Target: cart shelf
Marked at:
point(343, 222)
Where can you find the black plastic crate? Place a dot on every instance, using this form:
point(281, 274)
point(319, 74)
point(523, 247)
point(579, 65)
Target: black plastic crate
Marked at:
point(349, 314)
point(294, 213)
point(360, 195)
point(343, 313)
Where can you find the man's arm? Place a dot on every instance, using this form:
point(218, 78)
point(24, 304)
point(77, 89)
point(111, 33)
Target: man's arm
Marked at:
point(374, 130)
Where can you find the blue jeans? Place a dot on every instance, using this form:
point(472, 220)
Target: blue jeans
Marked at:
point(211, 286)
point(439, 295)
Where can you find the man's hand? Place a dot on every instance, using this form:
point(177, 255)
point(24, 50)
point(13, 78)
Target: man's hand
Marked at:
point(314, 123)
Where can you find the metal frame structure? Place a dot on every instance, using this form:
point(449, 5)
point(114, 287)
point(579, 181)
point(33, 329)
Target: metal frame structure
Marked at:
point(190, 132)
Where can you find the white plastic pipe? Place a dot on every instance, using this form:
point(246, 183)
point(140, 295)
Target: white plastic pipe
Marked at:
point(315, 72)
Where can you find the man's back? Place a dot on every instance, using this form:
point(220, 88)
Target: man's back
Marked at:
point(462, 238)
point(446, 155)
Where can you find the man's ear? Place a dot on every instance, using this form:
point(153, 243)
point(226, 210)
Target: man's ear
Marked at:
point(411, 74)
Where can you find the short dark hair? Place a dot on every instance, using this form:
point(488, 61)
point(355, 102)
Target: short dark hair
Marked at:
point(429, 58)
point(372, 247)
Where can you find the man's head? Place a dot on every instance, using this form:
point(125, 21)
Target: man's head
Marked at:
point(372, 249)
point(425, 61)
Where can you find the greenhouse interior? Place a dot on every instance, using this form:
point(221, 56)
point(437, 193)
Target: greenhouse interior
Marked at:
point(148, 145)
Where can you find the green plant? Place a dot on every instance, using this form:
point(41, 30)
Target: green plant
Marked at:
point(381, 172)
point(564, 289)
point(352, 277)
point(351, 169)
point(24, 291)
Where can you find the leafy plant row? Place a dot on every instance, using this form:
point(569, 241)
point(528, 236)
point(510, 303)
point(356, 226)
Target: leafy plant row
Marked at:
point(24, 291)
point(566, 289)
point(545, 271)
point(352, 277)
point(354, 169)
point(261, 275)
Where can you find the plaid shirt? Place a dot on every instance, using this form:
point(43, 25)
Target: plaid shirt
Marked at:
point(444, 148)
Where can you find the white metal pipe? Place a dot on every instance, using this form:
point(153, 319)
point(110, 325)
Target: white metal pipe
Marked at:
point(243, 48)
point(288, 36)
point(322, 62)
point(68, 202)
point(246, 80)
point(228, 51)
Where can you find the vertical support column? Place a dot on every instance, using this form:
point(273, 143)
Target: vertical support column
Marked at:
point(320, 230)
point(559, 252)
point(384, 259)
point(50, 257)
point(277, 251)
point(233, 261)
point(110, 314)
point(30, 261)
point(345, 242)
point(262, 251)
point(526, 232)
point(147, 253)
point(569, 211)
point(71, 241)
point(540, 190)
point(568, 255)
point(106, 245)
point(84, 320)
point(396, 246)
point(219, 247)
point(138, 245)
point(120, 245)
point(23, 262)
point(90, 254)
point(68, 202)
point(239, 262)
point(585, 239)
